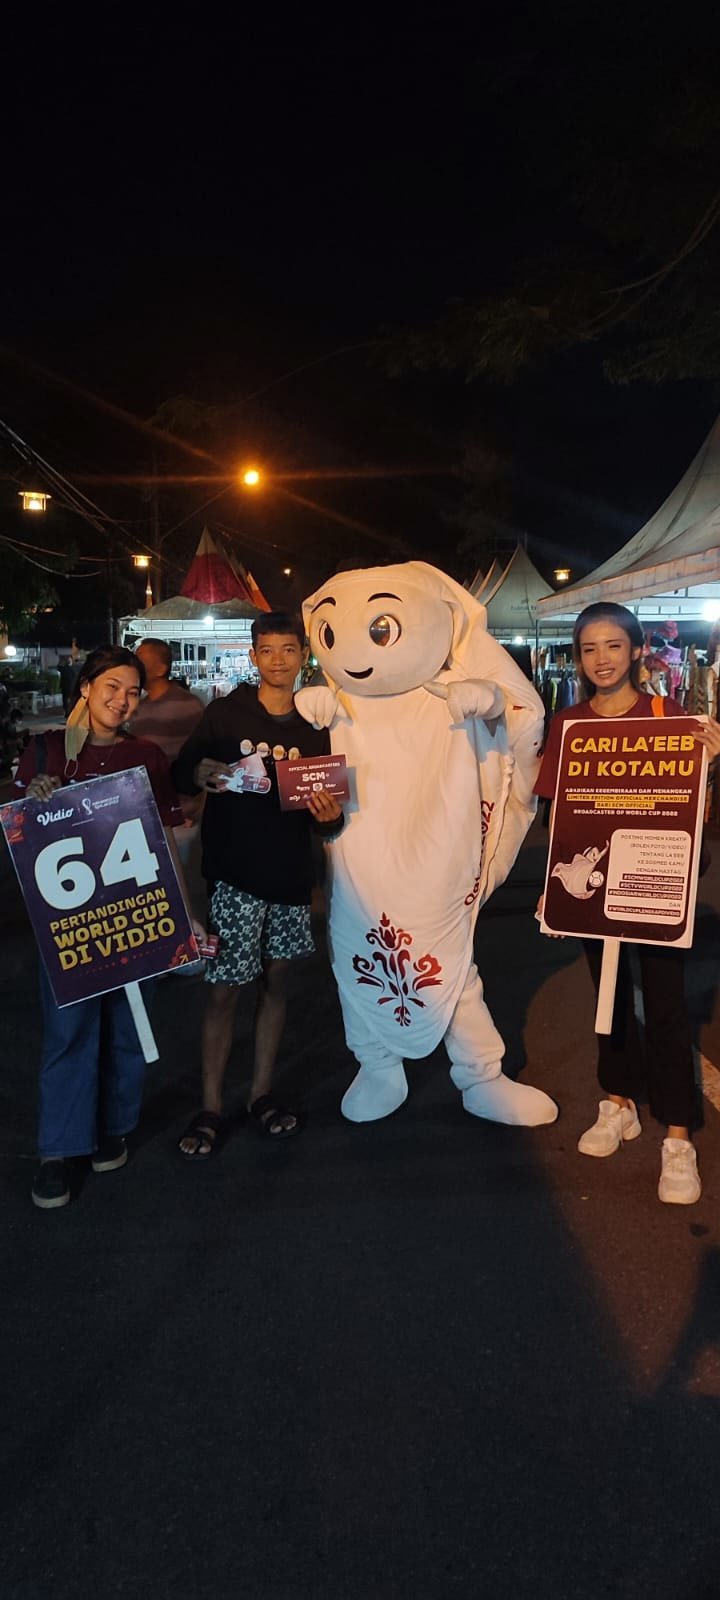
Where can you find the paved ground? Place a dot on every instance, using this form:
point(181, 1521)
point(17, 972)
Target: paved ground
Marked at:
point(425, 1358)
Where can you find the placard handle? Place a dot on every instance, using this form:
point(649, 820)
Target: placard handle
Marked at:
point(142, 1022)
point(608, 981)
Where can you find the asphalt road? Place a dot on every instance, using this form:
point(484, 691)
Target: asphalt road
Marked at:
point(429, 1357)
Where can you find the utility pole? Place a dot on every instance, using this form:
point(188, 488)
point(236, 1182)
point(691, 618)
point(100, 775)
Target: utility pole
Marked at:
point(110, 596)
point(156, 535)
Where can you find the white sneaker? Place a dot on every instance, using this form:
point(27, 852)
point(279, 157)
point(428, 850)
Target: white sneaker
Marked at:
point(615, 1126)
point(679, 1180)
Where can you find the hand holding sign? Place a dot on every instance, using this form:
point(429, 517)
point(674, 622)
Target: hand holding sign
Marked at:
point(41, 787)
point(212, 775)
point(324, 806)
point(708, 735)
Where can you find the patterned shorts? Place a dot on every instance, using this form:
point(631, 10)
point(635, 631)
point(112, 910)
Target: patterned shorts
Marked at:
point(252, 932)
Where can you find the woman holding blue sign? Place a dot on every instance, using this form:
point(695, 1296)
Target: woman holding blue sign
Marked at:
point(93, 1068)
point(607, 650)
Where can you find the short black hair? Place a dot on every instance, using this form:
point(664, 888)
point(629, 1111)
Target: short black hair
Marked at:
point(278, 622)
point(104, 659)
point(162, 650)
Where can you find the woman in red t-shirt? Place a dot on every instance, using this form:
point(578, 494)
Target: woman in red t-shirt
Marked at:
point(92, 1069)
point(607, 649)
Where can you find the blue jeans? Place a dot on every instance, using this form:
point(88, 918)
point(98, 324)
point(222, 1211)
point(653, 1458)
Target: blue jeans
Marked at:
point(92, 1072)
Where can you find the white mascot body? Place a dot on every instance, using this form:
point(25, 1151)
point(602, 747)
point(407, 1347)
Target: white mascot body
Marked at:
point(441, 732)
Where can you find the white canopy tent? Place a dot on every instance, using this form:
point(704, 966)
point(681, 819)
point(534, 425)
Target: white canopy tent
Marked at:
point(510, 601)
point(671, 566)
point(480, 584)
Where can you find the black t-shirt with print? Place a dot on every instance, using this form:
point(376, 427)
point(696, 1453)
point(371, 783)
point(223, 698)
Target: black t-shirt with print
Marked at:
point(247, 840)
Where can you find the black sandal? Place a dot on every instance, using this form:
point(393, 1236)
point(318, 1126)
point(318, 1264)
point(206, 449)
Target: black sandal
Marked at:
point(207, 1128)
point(266, 1115)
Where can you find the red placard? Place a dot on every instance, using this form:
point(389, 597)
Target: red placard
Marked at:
point(627, 831)
point(297, 780)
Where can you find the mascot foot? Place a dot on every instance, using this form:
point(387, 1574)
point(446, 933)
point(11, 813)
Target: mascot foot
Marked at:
point(517, 1104)
point(375, 1092)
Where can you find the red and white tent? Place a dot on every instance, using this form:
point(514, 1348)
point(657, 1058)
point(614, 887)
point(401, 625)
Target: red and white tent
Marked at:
point(216, 576)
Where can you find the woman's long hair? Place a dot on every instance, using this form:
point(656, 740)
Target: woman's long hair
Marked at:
point(606, 610)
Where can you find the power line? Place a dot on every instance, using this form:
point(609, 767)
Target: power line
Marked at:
point(56, 572)
point(72, 498)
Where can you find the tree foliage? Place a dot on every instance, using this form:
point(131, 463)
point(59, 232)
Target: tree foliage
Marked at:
point(615, 165)
point(24, 591)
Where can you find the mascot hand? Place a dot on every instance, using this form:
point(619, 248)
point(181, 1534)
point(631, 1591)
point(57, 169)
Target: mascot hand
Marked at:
point(318, 705)
point(468, 697)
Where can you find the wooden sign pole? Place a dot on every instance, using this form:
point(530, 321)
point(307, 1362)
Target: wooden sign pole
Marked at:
point(608, 981)
point(142, 1022)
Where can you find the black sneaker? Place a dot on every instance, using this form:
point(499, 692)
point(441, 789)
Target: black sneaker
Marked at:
point(111, 1152)
point(51, 1185)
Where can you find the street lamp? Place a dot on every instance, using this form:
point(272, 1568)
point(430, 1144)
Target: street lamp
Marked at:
point(251, 478)
point(33, 500)
point(143, 564)
point(562, 574)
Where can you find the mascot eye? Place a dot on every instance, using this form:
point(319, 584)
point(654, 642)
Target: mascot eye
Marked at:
point(326, 636)
point(385, 630)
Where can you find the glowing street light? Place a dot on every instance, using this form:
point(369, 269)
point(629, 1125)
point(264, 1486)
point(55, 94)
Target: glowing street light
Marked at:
point(251, 478)
point(33, 500)
point(562, 574)
point(287, 572)
point(143, 565)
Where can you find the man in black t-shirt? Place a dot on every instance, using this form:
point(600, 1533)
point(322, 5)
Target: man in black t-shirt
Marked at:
point(257, 861)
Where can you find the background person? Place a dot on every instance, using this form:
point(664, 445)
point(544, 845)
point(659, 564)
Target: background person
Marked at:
point(92, 1068)
point(167, 714)
point(70, 674)
point(607, 649)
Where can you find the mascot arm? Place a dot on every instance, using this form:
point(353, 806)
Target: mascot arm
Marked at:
point(319, 705)
point(525, 732)
point(469, 697)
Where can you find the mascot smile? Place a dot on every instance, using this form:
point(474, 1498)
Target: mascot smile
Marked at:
point(441, 732)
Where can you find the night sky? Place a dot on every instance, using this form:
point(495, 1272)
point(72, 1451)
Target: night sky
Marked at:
point(200, 208)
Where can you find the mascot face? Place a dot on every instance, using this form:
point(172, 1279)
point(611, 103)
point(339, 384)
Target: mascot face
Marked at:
point(379, 631)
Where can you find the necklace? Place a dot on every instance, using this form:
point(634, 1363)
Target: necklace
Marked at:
point(101, 759)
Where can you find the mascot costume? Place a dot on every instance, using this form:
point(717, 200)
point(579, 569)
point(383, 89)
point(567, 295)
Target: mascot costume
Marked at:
point(441, 732)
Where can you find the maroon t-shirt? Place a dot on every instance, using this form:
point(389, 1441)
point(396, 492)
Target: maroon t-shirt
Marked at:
point(547, 777)
point(99, 761)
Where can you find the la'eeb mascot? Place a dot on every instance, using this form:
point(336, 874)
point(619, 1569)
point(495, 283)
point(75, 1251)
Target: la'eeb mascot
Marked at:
point(441, 730)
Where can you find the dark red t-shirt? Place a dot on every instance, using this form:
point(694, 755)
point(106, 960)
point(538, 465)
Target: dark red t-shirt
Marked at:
point(583, 711)
point(99, 761)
